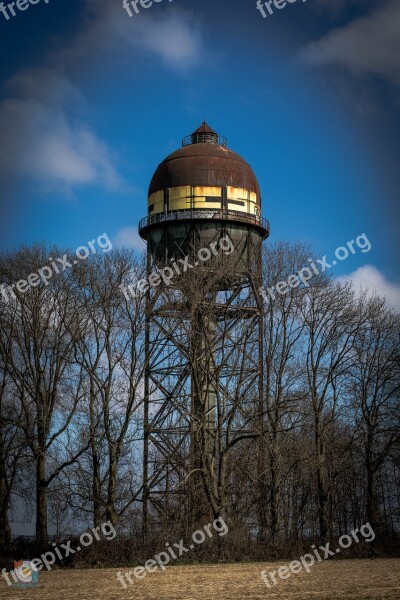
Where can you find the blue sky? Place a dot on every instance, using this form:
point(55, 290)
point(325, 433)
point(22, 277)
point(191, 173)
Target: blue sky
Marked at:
point(92, 101)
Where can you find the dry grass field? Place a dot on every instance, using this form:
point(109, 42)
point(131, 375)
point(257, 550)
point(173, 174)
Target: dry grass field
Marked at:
point(333, 580)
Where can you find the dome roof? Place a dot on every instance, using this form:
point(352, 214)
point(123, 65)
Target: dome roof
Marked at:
point(204, 163)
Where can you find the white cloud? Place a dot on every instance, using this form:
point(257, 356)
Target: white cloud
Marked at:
point(45, 133)
point(369, 45)
point(47, 142)
point(167, 32)
point(173, 38)
point(370, 278)
point(129, 238)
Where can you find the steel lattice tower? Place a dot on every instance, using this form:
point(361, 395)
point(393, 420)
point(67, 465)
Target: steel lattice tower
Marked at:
point(203, 329)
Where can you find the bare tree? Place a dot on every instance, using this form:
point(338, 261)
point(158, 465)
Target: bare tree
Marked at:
point(283, 330)
point(332, 319)
point(86, 374)
point(110, 350)
point(38, 363)
point(11, 449)
point(375, 388)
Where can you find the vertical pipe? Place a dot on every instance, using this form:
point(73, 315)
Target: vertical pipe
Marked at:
point(146, 424)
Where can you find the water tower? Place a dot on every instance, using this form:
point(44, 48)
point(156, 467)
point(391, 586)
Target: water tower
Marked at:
point(203, 333)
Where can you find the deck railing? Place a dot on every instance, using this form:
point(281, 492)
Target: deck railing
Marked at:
point(195, 214)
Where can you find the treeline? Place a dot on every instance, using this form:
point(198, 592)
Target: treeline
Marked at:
point(325, 454)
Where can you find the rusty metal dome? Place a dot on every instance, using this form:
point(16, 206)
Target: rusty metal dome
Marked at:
point(204, 160)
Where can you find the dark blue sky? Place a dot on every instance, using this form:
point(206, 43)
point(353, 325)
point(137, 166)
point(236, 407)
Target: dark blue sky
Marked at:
point(92, 101)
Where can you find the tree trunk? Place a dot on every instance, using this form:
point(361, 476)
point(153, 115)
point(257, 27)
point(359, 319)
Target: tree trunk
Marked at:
point(372, 511)
point(111, 513)
point(5, 530)
point(96, 486)
point(262, 493)
point(275, 491)
point(322, 494)
point(41, 501)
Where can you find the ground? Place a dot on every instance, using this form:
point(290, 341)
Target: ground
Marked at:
point(331, 580)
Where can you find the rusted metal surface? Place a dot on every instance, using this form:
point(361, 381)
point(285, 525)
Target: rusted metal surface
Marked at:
point(204, 165)
point(204, 135)
point(205, 128)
